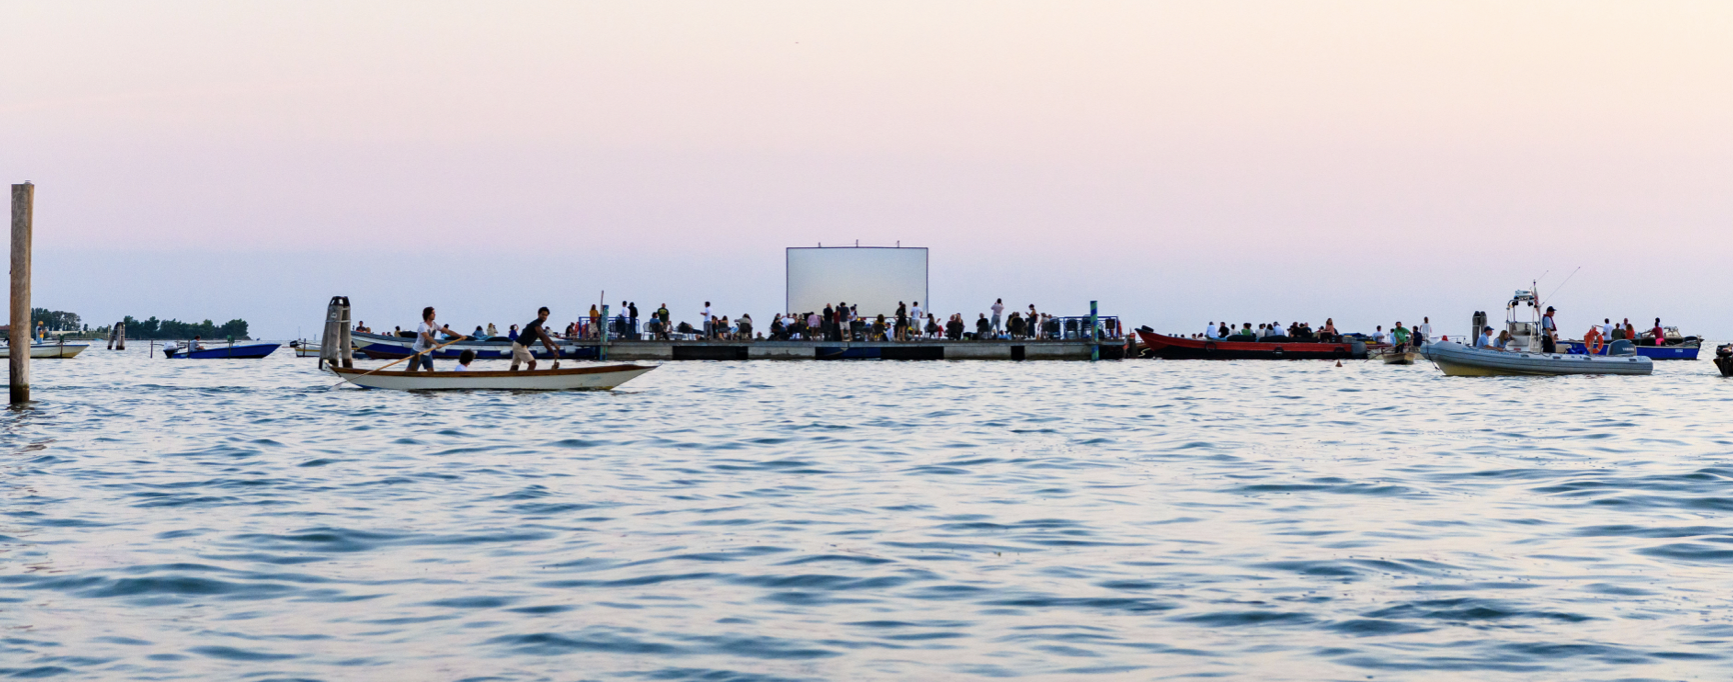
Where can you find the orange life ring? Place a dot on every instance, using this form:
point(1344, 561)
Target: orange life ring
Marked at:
point(1592, 342)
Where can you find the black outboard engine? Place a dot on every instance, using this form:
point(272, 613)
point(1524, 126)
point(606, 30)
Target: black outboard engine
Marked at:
point(1724, 359)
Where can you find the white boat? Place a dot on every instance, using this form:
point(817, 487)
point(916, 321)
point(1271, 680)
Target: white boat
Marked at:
point(48, 350)
point(1458, 360)
point(571, 379)
point(305, 349)
point(1524, 354)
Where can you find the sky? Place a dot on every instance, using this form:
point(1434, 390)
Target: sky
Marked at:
point(1180, 162)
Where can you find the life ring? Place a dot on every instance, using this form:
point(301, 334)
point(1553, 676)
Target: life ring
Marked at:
point(1341, 353)
point(1278, 351)
point(1593, 343)
point(1209, 348)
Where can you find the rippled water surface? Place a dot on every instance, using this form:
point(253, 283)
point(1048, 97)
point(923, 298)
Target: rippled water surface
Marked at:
point(869, 520)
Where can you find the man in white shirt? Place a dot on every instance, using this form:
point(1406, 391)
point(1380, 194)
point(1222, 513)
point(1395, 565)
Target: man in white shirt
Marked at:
point(1210, 331)
point(1378, 336)
point(424, 340)
point(1485, 340)
point(705, 316)
point(998, 307)
point(1607, 329)
point(1425, 328)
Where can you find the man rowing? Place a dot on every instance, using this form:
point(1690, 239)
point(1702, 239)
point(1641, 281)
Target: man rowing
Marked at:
point(425, 341)
point(526, 337)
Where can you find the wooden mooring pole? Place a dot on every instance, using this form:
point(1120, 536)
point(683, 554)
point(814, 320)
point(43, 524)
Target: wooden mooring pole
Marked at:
point(23, 200)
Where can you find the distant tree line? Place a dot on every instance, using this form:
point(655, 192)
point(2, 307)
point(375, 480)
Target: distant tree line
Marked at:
point(55, 320)
point(175, 329)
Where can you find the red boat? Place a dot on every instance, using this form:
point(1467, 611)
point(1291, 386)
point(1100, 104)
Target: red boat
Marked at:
point(1176, 348)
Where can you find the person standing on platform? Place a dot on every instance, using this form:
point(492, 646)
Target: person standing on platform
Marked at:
point(1425, 329)
point(704, 315)
point(520, 347)
point(998, 309)
point(902, 322)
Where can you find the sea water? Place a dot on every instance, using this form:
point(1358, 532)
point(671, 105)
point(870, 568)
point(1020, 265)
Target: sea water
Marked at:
point(233, 519)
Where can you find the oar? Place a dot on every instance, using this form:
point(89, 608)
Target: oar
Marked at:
point(393, 362)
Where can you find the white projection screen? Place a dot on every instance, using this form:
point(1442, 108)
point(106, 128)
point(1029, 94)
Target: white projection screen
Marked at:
point(873, 278)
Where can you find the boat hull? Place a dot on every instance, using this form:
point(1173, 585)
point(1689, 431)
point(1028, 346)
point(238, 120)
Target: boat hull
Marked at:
point(1683, 352)
point(49, 351)
point(251, 351)
point(1176, 348)
point(387, 347)
point(571, 379)
point(1457, 360)
point(1403, 358)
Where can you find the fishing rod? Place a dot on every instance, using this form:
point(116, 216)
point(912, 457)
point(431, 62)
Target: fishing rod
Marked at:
point(1561, 285)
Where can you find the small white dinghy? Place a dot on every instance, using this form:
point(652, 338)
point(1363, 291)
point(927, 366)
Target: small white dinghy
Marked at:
point(572, 379)
point(1458, 360)
point(39, 351)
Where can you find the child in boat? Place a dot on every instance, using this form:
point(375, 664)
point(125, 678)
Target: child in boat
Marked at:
point(463, 360)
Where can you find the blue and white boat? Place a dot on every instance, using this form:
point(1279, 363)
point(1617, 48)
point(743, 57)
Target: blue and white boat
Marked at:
point(1673, 346)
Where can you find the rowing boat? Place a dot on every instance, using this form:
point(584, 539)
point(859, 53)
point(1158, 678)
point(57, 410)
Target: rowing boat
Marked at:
point(1391, 356)
point(39, 351)
point(571, 379)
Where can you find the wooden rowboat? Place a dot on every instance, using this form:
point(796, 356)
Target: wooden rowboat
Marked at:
point(1391, 357)
point(572, 379)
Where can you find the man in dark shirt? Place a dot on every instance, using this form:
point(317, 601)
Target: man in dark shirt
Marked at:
point(526, 337)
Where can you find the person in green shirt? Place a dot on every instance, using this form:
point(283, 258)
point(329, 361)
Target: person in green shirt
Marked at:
point(1399, 336)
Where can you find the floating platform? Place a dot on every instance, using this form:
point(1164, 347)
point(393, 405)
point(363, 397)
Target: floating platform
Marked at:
point(1111, 349)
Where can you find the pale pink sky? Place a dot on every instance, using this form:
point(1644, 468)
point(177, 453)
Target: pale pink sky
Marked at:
point(1182, 162)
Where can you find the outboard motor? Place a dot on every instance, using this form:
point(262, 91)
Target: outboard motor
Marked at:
point(1622, 348)
point(1724, 359)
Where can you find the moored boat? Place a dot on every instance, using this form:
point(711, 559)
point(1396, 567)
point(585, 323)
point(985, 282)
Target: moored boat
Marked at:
point(1178, 348)
point(48, 350)
point(570, 379)
point(251, 351)
point(1724, 360)
point(305, 349)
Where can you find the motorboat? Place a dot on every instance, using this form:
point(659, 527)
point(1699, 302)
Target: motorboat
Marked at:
point(304, 348)
point(571, 379)
point(1672, 346)
point(230, 351)
point(1179, 348)
point(388, 346)
point(1724, 360)
point(48, 350)
point(1458, 360)
point(1524, 354)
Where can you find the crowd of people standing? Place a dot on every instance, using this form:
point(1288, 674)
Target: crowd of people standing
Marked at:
point(839, 322)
